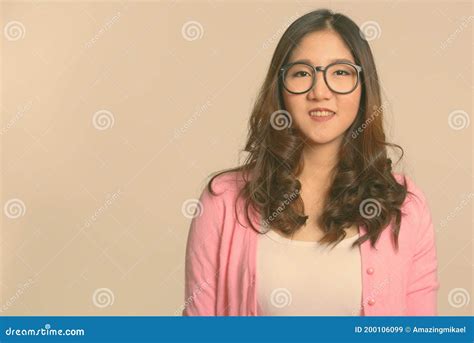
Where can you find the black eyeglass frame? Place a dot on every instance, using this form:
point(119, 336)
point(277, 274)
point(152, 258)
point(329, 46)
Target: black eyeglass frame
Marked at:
point(285, 68)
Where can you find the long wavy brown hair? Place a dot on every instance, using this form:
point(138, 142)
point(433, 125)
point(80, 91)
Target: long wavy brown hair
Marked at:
point(363, 190)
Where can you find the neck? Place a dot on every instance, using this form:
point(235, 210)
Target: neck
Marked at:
point(319, 160)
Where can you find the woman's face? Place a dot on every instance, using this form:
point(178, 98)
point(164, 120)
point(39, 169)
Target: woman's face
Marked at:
point(321, 48)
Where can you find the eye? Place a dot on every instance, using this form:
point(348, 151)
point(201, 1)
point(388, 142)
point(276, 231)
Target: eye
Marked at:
point(301, 73)
point(341, 72)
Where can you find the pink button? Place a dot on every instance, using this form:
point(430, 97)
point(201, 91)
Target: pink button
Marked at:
point(371, 302)
point(370, 271)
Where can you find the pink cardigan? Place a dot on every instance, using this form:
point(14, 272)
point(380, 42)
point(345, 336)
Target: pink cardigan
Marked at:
point(220, 269)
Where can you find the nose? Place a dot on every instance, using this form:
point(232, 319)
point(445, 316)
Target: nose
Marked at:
point(320, 89)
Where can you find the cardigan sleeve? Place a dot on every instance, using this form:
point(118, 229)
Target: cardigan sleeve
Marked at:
point(201, 264)
point(423, 279)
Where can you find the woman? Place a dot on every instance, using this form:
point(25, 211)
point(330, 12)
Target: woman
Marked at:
point(314, 222)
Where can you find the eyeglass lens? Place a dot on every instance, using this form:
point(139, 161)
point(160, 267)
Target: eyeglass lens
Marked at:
point(340, 78)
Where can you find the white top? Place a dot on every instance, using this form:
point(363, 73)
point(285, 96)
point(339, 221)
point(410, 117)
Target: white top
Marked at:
point(303, 278)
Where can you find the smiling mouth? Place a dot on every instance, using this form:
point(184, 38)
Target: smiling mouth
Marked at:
point(321, 113)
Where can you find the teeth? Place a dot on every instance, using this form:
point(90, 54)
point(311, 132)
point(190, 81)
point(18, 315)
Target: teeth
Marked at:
point(321, 113)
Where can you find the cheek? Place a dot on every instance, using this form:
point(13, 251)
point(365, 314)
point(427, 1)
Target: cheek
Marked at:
point(348, 106)
point(295, 105)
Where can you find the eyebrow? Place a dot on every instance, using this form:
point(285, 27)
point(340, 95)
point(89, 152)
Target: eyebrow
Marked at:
point(305, 60)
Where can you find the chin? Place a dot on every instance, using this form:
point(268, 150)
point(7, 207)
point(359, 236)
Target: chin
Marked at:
point(323, 139)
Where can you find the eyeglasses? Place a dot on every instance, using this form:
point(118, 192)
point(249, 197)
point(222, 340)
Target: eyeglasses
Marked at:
point(340, 77)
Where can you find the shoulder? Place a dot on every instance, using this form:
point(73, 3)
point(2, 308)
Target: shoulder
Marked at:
point(416, 213)
point(225, 187)
point(416, 199)
point(227, 184)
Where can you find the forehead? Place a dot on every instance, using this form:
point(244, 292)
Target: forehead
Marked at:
point(321, 47)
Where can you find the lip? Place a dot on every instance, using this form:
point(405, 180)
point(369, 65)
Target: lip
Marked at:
point(322, 118)
point(319, 119)
point(321, 109)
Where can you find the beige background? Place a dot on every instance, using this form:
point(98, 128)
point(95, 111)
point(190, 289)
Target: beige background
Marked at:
point(92, 220)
